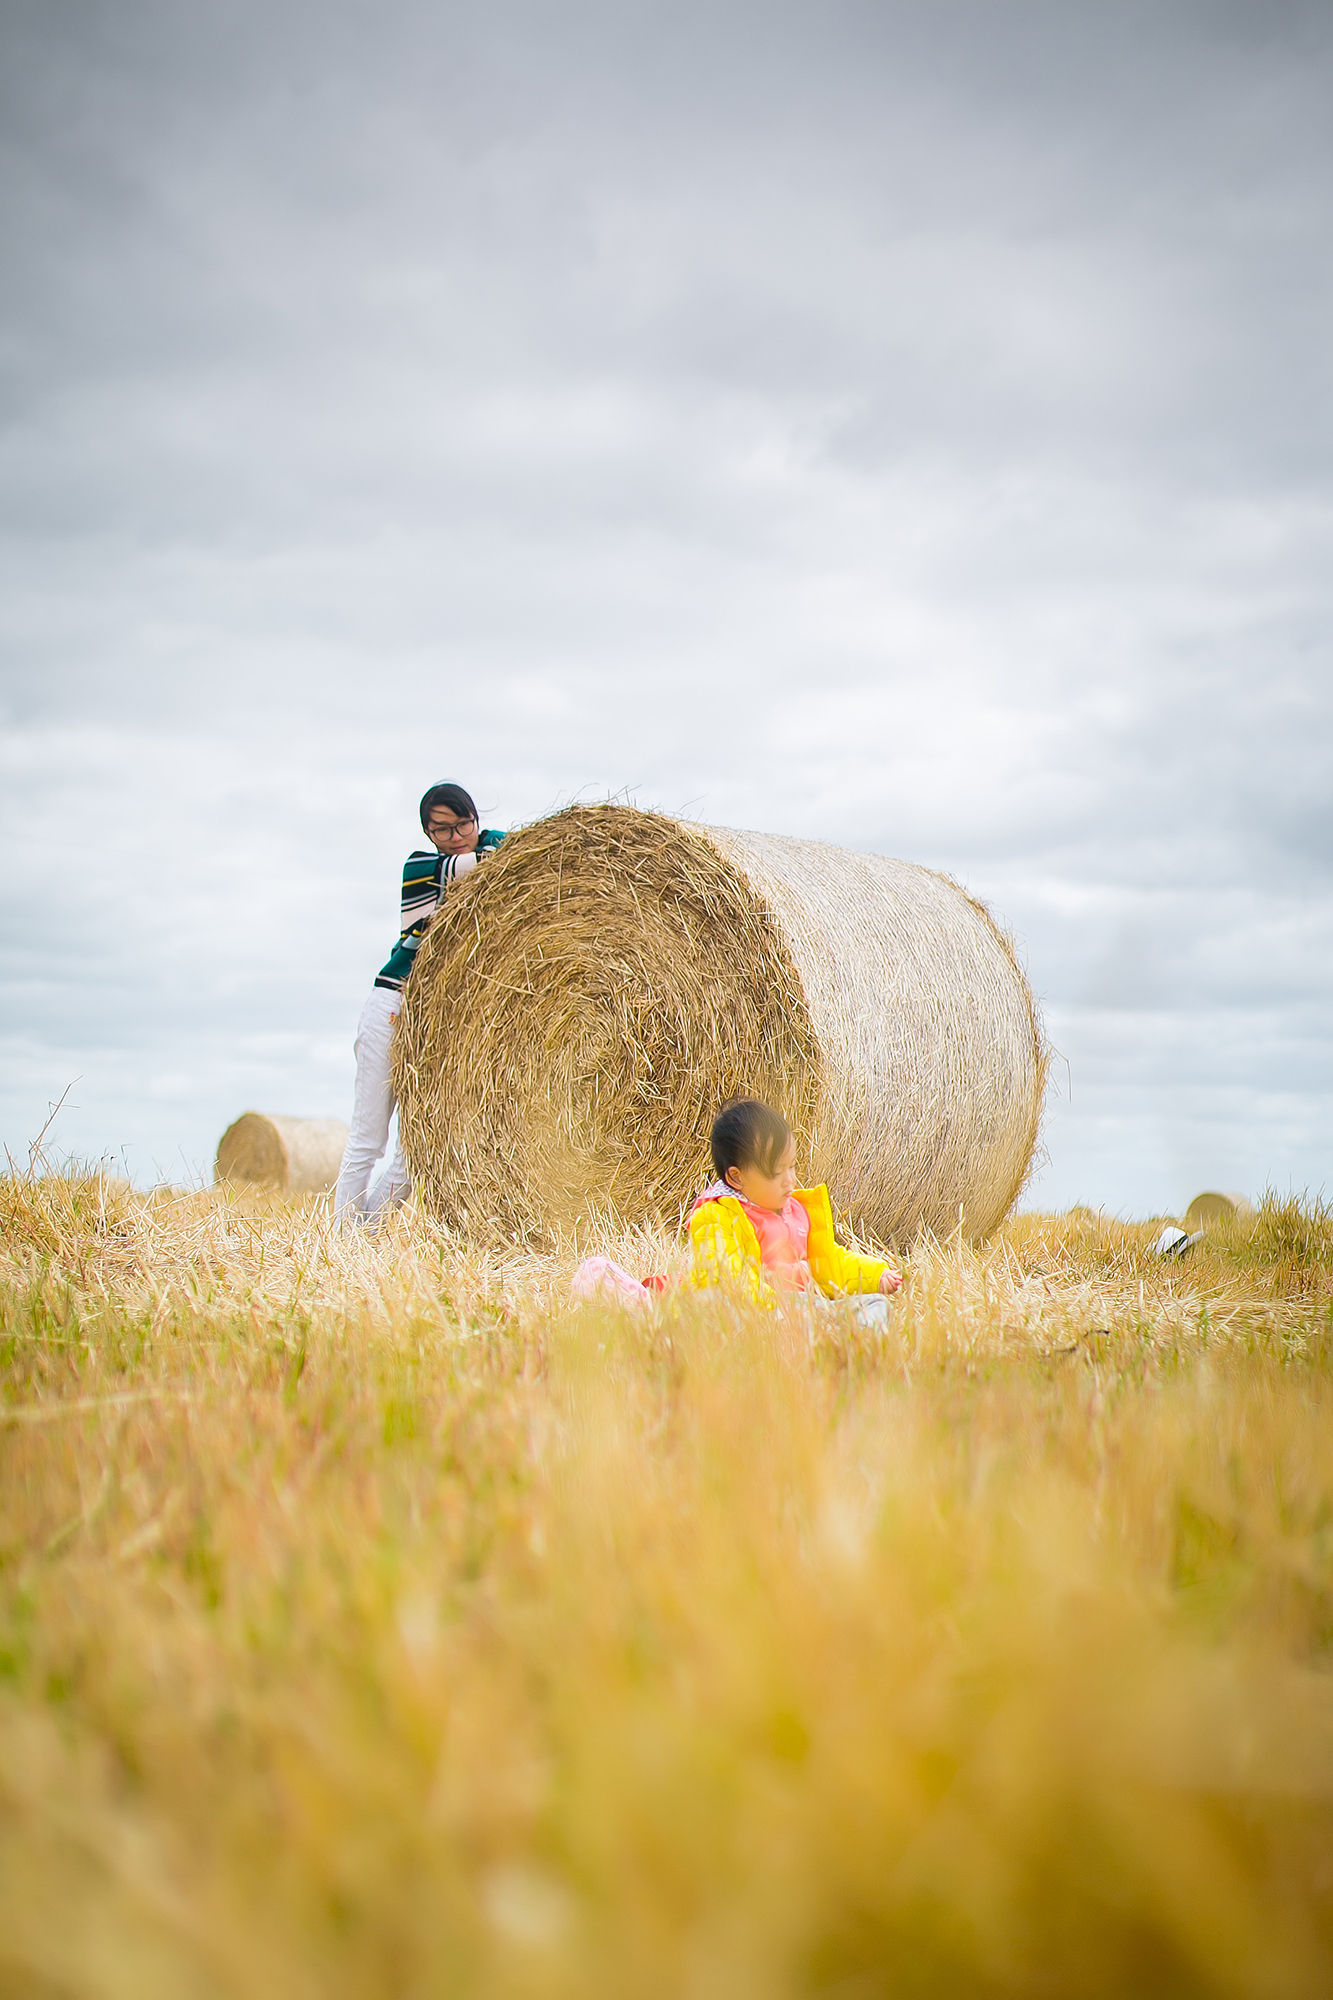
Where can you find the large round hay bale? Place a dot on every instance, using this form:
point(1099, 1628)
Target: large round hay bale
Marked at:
point(296, 1155)
point(582, 1005)
point(1215, 1205)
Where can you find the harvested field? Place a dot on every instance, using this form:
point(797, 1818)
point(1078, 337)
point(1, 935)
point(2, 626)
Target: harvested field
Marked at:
point(372, 1623)
point(582, 1005)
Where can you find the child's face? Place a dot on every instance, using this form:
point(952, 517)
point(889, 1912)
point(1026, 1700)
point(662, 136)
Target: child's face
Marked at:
point(451, 834)
point(767, 1190)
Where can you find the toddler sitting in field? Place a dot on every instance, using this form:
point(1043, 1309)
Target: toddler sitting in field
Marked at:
point(754, 1228)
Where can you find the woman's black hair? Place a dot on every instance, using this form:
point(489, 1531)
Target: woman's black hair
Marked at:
point(747, 1133)
point(453, 798)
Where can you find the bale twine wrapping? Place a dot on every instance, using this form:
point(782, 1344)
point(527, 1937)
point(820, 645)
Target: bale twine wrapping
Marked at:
point(297, 1155)
point(582, 1005)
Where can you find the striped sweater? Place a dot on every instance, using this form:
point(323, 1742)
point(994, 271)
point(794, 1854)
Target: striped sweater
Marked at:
point(426, 876)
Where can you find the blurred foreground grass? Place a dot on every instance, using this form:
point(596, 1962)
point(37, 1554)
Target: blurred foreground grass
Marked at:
point(374, 1623)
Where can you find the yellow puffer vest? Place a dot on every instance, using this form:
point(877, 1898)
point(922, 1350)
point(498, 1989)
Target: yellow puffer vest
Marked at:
point(724, 1250)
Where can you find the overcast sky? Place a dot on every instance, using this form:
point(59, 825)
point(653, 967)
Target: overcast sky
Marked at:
point(907, 425)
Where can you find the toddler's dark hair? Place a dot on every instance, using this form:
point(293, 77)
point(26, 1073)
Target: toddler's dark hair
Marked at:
point(747, 1133)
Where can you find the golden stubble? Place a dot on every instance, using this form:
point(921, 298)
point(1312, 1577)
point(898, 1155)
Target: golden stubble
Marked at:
point(374, 1622)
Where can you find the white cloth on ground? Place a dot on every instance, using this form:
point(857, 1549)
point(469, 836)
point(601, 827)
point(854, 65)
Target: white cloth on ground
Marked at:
point(871, 1308)
point(372, 1109)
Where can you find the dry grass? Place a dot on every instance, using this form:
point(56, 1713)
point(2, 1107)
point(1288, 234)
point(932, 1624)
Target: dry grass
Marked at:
point(373, 1623)
point(584, 1002)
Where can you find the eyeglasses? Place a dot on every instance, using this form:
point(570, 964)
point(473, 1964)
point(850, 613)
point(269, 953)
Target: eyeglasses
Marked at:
point(446, 828)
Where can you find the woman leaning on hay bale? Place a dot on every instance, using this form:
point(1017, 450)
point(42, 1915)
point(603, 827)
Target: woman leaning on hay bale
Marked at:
point(449, 820)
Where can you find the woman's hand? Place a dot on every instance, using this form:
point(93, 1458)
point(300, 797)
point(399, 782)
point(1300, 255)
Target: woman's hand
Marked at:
point(891, 1281)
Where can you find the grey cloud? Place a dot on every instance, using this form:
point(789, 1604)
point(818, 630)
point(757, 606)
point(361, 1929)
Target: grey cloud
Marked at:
point(908, 423)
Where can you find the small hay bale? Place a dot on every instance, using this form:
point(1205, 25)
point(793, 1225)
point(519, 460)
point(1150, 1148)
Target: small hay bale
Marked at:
point(582, 1005)
point(1213, 1206)
point(296, 1155)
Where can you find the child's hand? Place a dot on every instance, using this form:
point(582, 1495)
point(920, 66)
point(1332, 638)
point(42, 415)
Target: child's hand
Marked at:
point(891, 1281)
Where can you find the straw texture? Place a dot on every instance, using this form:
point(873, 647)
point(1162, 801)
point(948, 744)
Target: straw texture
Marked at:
point(582, 1006)
point(297, 1155)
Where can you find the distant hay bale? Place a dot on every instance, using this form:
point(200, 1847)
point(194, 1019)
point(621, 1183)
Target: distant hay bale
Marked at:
point(297, 1155)
point(582, 1005)
point(1214, 1206)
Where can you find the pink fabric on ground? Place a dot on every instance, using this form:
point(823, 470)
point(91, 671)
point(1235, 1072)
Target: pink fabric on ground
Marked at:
point(597, 1278)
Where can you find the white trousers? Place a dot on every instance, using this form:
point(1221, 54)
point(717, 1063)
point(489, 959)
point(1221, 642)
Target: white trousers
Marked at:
point(372, 1108)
